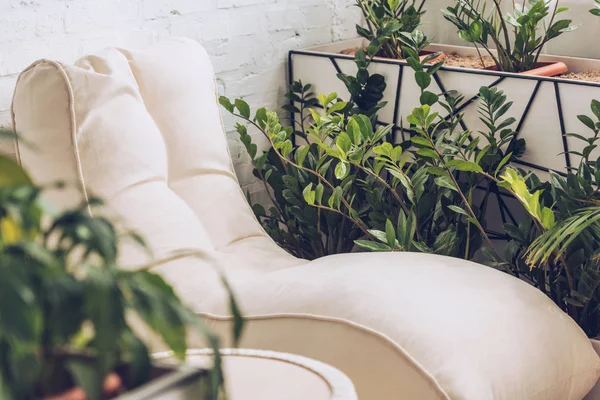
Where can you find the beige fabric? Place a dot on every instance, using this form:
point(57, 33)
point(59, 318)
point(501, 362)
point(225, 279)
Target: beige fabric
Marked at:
point(269, 375)
point(142, 129)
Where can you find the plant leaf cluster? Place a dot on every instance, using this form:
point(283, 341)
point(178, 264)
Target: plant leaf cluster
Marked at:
point(386, 20)
point(518, 37)
point(557, 249)
point(381, 193)
point(64, 299)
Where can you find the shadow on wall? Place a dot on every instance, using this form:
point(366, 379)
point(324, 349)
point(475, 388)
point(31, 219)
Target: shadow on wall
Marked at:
point(575, 44)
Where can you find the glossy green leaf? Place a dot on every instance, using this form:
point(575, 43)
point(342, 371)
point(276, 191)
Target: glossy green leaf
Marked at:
point(341, 170)
point(372, 246)
point(243, 108)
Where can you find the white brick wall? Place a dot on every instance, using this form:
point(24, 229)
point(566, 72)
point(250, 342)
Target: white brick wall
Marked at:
point(247, 39)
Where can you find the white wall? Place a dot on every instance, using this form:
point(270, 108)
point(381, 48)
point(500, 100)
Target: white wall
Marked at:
point(247, 39)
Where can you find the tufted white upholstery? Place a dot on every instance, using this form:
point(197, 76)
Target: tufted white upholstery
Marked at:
point(142, 129)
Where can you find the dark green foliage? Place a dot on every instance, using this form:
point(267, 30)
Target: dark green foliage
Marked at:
point(418, 194)
point(386, 20)
point(560, 253)
point(351, 186)
point(63, 295)
point(596, 11)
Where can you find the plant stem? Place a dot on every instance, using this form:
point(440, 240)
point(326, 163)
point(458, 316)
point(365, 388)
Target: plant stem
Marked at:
point(460, 193)
point(363, 227)
point(468, 229)
point(385, 184)
point(541, 45)
point(480, 56)
point(504, 27)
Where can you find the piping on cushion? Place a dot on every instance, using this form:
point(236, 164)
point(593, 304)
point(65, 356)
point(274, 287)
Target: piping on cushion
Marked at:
point(322, 370)
point(73, 121)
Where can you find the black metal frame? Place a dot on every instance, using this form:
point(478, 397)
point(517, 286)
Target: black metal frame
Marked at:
point(503, 207)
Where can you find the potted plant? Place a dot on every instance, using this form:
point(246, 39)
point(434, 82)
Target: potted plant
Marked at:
point(545, 108)
point(67, 309)
point(386, 21)
point(393, 194)
point(348, 185)
point(428, 189)
point(518, 37)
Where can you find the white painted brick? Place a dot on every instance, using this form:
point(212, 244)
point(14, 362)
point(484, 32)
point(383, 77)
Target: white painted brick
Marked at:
point(85, 15)
point(242, 3)
point(247, 40)
point(161, 8)
point(213, 25)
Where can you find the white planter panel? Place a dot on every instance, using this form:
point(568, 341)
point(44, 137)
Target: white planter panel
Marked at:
point(545, 108)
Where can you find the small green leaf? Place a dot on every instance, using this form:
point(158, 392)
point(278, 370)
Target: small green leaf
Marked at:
point(390, 233)
point(341, 170)
point(11, 173)
point(421, 141)
point(372, 246)
point(339, 106)
point(502, 163)
point(301, 153)
point(444, 181)
point(587, 121)
point(226, 103)
point(309, 194)
point(429, 98)
point(459, 210)
point(428, 153)
point(423, 79)
point(343, 142)
point(243, 108)
point(319, 193)
point(353, 130)
point(596, 108)
point(462, 165)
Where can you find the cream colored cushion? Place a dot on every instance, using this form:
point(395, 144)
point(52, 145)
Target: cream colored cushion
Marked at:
point(268, 375)
point(142, 129)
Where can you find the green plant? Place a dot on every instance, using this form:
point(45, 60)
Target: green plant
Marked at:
point(386, 20)
point(558, 251)
point(366, 89)
point(384, 193)
point(596, 11)
point(63, 296)
point(518, 37)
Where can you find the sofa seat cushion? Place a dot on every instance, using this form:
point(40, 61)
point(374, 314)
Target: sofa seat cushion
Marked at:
point(142, 130)
point(476, 332)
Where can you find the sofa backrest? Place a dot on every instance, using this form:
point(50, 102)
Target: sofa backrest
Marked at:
point(142, 130)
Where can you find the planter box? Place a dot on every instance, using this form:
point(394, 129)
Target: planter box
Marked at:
point(545, 108)
point(595, 393)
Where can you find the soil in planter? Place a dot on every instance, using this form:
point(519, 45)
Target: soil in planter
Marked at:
point(589, 76)
point(454, 60)
point(352, 51)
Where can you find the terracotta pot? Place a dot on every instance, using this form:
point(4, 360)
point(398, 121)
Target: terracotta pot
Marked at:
point(542, 69)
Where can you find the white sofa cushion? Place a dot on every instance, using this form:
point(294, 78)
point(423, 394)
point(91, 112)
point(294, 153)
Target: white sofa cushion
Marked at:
point(142, 129)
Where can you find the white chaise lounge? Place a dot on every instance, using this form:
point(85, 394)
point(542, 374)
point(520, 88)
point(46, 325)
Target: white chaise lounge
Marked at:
point(142, 129)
